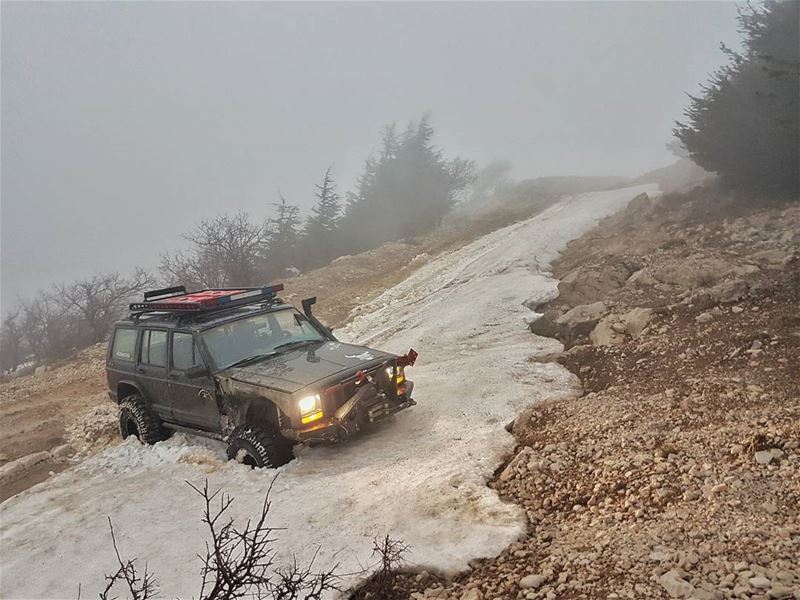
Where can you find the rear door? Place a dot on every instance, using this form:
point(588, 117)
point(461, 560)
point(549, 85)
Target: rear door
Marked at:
point(121, 361)
point(193, 400)
point(151, 370)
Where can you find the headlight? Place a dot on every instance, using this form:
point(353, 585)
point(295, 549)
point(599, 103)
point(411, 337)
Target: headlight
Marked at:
point(401, 376)
point(308, 404)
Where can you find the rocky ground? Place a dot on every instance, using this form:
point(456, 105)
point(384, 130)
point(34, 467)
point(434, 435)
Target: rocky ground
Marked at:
point(677, 473)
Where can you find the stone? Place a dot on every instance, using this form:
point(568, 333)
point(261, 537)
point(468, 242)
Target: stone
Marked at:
point(769, 507)
point(532, 582)
point(545, 325)
point(759, 582)
point(705, 317)
point(604, 333)
point(579, 321)
point(473, 594)
point(62, 451)
point(40, 370)
point(728, 292)
point(587, 283)
point(636, 320)
point(674, 584)
point(764, 457)
point(642, 277)
point(780, 591)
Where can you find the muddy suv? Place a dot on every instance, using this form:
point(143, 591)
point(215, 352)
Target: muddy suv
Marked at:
point(241, 366)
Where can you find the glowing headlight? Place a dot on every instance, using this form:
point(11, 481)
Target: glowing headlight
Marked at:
point(308, 404)
point(400, 374)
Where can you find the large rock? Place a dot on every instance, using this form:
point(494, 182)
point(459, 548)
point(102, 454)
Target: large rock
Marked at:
point(532, 582)
point(608, 332)
point(570, 326)
point(546, 324)
point(675, 585)
point(582, 314)
point(587, 284)
point(694, 272)
point(636, 320)
point(642, 277)
point(729, 291)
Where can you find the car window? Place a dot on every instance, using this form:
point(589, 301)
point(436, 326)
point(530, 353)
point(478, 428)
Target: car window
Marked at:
point(124, 344)
point(183, 352)
point(154, 348)
point(232, 342)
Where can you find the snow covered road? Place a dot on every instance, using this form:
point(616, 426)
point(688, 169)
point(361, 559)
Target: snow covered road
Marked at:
point(420, 478)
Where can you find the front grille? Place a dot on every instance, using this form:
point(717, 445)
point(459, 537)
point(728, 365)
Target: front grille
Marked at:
point(337, 395)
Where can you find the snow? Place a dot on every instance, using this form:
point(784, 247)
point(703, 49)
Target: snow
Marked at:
point(420, 477)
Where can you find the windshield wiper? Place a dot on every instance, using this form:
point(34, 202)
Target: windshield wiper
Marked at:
point(251, 359)
point(287, 345)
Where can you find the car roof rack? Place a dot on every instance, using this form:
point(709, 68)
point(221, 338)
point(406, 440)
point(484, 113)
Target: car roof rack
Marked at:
point(175, 300)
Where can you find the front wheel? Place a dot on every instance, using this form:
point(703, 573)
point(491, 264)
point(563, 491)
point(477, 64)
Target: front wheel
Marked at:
point(258, 447)
point(138, 419)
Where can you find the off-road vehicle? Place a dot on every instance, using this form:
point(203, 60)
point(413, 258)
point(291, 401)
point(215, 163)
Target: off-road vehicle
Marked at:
point(242, 366)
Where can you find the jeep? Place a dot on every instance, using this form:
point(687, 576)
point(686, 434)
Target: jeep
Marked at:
point(243, 367)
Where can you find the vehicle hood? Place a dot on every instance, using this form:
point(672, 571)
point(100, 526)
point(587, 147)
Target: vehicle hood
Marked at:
point(295, 369)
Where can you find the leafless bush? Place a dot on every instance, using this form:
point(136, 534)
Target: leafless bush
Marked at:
point(139, 587)
point(237, 563)
point(391, 558)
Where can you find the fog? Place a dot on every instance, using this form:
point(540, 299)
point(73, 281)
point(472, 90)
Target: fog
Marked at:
point(123, 124)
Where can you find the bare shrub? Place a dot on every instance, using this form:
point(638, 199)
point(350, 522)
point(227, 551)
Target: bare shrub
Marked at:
point(237, 563)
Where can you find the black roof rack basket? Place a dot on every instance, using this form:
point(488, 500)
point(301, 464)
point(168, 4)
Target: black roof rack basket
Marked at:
point(176, 300)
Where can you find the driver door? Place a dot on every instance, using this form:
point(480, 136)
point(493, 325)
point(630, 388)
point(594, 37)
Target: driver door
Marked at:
point(193, 399)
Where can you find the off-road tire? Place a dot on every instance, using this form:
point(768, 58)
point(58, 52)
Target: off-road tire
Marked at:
point(259, 447)
point(137, 418)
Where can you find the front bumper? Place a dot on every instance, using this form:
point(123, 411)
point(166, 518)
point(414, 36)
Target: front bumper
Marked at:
point(365, 407)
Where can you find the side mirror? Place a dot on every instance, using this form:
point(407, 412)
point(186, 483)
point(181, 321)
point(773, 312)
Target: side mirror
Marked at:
point(196, 371)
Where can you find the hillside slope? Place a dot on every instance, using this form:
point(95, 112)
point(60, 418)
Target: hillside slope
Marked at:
point(676, 473)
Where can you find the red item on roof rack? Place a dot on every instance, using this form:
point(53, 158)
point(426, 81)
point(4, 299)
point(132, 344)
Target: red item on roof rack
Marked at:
point(177, 300)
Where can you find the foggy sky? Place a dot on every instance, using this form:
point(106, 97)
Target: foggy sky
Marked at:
point(125, 123)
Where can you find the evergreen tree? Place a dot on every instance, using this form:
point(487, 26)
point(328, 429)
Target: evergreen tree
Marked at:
point(405, 189)
point(744, 126)
point(320, 236)
point(283, 231)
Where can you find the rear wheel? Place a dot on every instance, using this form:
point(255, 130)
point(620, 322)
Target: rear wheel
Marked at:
point(259, 447)
point(137, 419)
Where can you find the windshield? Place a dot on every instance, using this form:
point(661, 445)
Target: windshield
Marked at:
point(261, 335)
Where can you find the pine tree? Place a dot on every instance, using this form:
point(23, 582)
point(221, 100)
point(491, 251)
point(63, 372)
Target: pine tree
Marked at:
point(406, 188)
point(280, 249)
point(744, 126)
point(320, 236)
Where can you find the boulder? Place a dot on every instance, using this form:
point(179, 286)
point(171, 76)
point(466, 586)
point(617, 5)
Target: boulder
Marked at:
point(605, 333)
point(675, 585)
point(692, 274)
point(545, 325)
point(532, 582)
point(472, 594)
point(728, 292)
point(579, 321)
point(588, 283)
point(636, 320)
point(642, 277)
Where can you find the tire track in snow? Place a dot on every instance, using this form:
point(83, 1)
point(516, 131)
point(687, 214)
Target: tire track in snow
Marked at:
point(420, 477)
